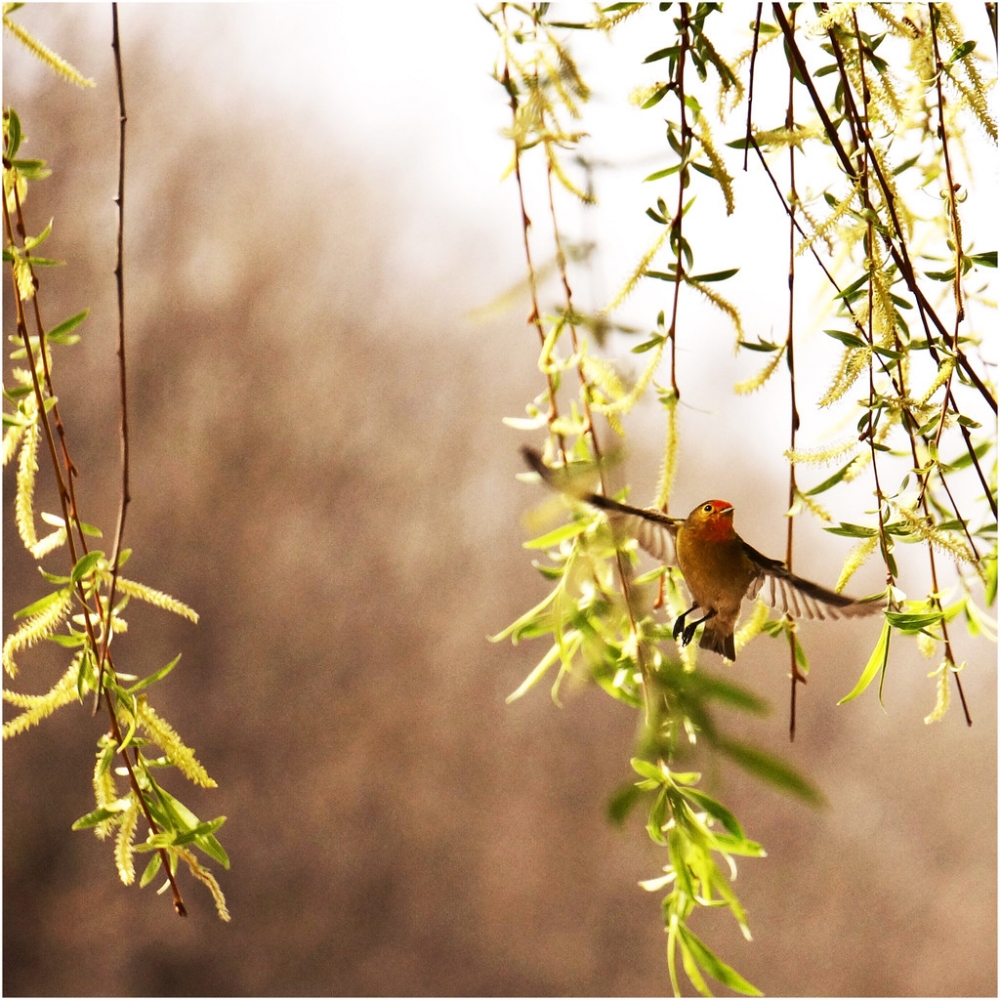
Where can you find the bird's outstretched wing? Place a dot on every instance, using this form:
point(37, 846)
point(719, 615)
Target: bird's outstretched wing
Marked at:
point(781, 589)
point(655, 531)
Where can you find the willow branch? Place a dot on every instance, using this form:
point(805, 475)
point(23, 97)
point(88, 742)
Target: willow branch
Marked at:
point(122, 383)
point(753, 61)
point(899, 254)
point(535, 319)
point(793, 199)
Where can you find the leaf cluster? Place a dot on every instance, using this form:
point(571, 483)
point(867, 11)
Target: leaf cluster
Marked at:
point(83, 608)
point(913, 382)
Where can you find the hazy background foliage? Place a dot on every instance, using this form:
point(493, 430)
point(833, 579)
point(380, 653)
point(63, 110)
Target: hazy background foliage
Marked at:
point(320, 470)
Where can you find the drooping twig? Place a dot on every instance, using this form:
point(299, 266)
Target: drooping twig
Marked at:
point(677, 223)
point(899, 253)
point(591, 431)
point(125, 497)
point(870, 159)
point(753, 61)
point(64, 473)
point(179, 908)
point(536, 317)
point(796, 674)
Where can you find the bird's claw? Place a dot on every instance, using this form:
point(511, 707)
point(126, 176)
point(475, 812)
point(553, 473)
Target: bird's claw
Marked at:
point(686, 632)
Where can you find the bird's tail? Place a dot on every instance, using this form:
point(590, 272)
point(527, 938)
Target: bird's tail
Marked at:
point(717, 641)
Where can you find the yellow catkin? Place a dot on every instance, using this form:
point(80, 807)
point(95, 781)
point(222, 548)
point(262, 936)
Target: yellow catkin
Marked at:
point(723, 305)
point(206, 877)
point(143, 593)
point(927, 645)
point(164, 735)
point(719, 171)
point(105, 793)
point(124, 852)
point(822, 456)
point(755, 382)
point(943, 694)
point(633, 279)
point(753, 625)
point(34, 629)
point(24, 514)
point(814, 507)
point(856, 558)
point(46, 55)
point(668, 470)
point(11, 439)
point(38, 707)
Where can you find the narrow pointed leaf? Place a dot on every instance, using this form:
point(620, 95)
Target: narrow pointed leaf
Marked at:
point(876, 663)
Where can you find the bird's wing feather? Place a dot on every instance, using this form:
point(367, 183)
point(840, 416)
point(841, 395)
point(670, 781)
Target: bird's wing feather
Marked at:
point(652, 529)
point(655, 531)
point(779, 588)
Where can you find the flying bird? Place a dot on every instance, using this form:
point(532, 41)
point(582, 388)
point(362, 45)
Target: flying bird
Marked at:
point(719, 568)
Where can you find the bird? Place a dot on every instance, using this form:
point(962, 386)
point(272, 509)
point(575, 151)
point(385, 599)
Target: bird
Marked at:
point(718, 566)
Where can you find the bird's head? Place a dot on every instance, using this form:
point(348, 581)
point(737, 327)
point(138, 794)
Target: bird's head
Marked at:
point(712, 520)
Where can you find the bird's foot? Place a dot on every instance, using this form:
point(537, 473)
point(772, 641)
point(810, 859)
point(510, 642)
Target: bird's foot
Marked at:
point(679, 624)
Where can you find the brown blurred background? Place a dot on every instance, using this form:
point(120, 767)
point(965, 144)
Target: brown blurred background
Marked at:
point(319, 468)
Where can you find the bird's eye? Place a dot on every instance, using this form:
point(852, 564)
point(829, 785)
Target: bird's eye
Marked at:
point(707, 508)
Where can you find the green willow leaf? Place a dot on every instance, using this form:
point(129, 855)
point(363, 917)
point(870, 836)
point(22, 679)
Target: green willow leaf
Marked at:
point(622, 803)
point(961, 51)
point(560, 534)
point(988, 259)
point(85, 565)
point(852, 530)
point(57, 335)
point(41, 604)
point(833, 480)
point(68, 641)
point(654, 341)
point(671, 50)
point(850, 339)
point(33, 241)
point(911, 624)
point(150, 871)
point(770, 769)
point(761, 345)
point(876, 664)
point(663, 173)
point(657, 96)
point(13, 133)
point(714, 965)
point(647, 770)
point(157, 675)
point(100, 815)
point(714, 276)
point(716, 809)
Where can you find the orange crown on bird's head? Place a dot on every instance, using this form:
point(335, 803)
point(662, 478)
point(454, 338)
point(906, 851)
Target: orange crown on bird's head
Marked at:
point(712, 520)
point(717, 506)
